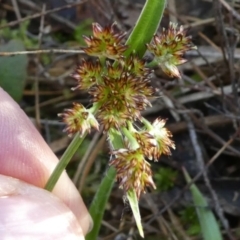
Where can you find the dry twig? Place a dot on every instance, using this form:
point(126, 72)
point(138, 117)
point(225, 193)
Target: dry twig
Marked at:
point(37, 15)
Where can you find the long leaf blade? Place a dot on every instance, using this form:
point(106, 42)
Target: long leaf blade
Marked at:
point(209, 225)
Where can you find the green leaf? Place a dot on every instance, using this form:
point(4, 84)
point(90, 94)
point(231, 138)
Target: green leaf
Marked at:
point(13, 70)
point(132, 198)
point(209, 225)
point(147, 24)
point(99, 202)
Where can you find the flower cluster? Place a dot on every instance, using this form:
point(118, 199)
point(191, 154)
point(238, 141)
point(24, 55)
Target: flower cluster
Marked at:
point(133, 171)
point(120, 90)
point(169, 47)
point(121, 95)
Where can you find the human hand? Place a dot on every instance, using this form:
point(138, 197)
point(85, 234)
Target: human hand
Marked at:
point(27, 211)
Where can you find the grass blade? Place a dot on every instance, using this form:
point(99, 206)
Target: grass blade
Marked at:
point(209, 225)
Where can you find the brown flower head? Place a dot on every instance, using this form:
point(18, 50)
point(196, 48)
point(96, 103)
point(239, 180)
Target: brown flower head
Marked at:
point(169, 47)
point(121, 97)
point(78, 119)
point(112, 118)
point(136, 66)
point(133, 172)
point(105, 42)
point(87, 74)
point(147, 142)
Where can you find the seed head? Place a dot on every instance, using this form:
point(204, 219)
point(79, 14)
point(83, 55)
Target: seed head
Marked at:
point(78, 119)
point(136, 66)
point(87, 74)
point(105, 42)
point(169, 47)
point(133, 171)
point(147, 143)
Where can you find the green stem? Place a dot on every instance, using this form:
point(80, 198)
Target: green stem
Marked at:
point(132, 140)
point(147, 124)
point(152, 64)
point(130, 126)
point(102, 61)
point(94, 108)
point(63, 162)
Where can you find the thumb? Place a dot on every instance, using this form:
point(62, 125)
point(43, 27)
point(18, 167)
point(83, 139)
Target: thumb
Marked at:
point(29, 212)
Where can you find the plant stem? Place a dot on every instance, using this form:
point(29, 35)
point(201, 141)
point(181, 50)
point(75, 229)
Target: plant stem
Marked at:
point(147, 123)
point(152, 64)
point(132, 141)
point(63, 162)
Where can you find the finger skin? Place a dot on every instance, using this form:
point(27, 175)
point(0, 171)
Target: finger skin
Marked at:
point(29, 212)
point(25, 155)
